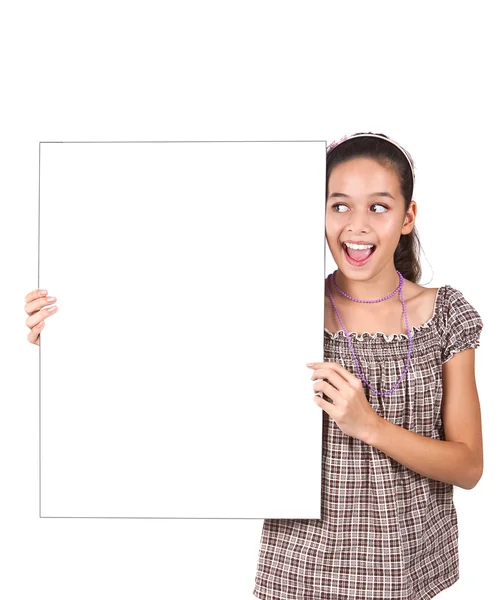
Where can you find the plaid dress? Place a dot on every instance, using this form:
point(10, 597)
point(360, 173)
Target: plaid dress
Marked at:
point(385, 531)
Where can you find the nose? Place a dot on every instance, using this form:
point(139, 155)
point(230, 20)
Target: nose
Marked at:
point(358, 223)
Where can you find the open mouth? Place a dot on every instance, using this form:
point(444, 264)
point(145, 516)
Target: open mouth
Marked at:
point(358, 258)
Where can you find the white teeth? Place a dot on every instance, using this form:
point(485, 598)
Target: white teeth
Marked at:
point(358, 246)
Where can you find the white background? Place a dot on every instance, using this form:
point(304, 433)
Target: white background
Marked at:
point(422, 73)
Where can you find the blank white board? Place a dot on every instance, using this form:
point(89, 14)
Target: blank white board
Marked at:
point(189, 279)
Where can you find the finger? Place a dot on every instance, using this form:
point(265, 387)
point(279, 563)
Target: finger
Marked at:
point(329, 390)
point(40, 315)
point(34, 294)
point(330, 375)
point(328, 407)
point(39, 301)
point(343, 372)
point(34, 334)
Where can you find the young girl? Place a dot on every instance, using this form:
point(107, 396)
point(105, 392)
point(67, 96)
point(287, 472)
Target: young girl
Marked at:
point(401, 416)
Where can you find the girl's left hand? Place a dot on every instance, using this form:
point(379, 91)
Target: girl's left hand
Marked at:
point(350, 409)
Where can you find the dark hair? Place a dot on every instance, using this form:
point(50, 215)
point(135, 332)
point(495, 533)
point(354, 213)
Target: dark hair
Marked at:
point(407, 253)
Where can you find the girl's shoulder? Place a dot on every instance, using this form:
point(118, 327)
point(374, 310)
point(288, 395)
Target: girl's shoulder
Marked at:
point(457, 321)
point(421, 300)
point(445, 303)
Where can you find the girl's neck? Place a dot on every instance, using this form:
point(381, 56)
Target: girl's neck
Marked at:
point(377, 287)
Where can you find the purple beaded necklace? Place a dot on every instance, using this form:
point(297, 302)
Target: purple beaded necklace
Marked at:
point(398, 289)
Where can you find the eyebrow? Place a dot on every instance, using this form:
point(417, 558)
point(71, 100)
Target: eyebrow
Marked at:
point(340, 195)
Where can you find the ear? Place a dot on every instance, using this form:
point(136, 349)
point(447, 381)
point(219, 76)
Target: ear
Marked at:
point(410, 215)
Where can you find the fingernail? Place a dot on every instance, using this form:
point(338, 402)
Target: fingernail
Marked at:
point(309, 364)
point(43, 292)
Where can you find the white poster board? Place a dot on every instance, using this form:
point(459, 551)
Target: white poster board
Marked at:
point(189, 279)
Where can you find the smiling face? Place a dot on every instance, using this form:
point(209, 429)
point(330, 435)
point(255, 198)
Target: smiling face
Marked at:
point(365, 203)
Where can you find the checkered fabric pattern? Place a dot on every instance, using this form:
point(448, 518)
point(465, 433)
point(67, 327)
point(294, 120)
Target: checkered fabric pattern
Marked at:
point(385, 531)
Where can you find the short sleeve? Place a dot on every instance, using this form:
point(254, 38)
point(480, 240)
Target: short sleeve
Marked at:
point(460, 324)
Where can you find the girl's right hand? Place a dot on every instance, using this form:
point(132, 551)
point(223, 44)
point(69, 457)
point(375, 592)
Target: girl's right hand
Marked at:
point(35, 305)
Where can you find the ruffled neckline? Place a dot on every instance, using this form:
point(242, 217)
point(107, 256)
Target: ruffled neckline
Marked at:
point(390, 337)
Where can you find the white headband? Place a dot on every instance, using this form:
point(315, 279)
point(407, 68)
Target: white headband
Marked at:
point(381, 137)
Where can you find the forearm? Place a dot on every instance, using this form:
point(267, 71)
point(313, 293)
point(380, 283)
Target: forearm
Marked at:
point(451, 462)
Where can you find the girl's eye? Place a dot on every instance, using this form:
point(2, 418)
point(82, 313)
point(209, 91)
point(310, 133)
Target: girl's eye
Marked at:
point(340, 204)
